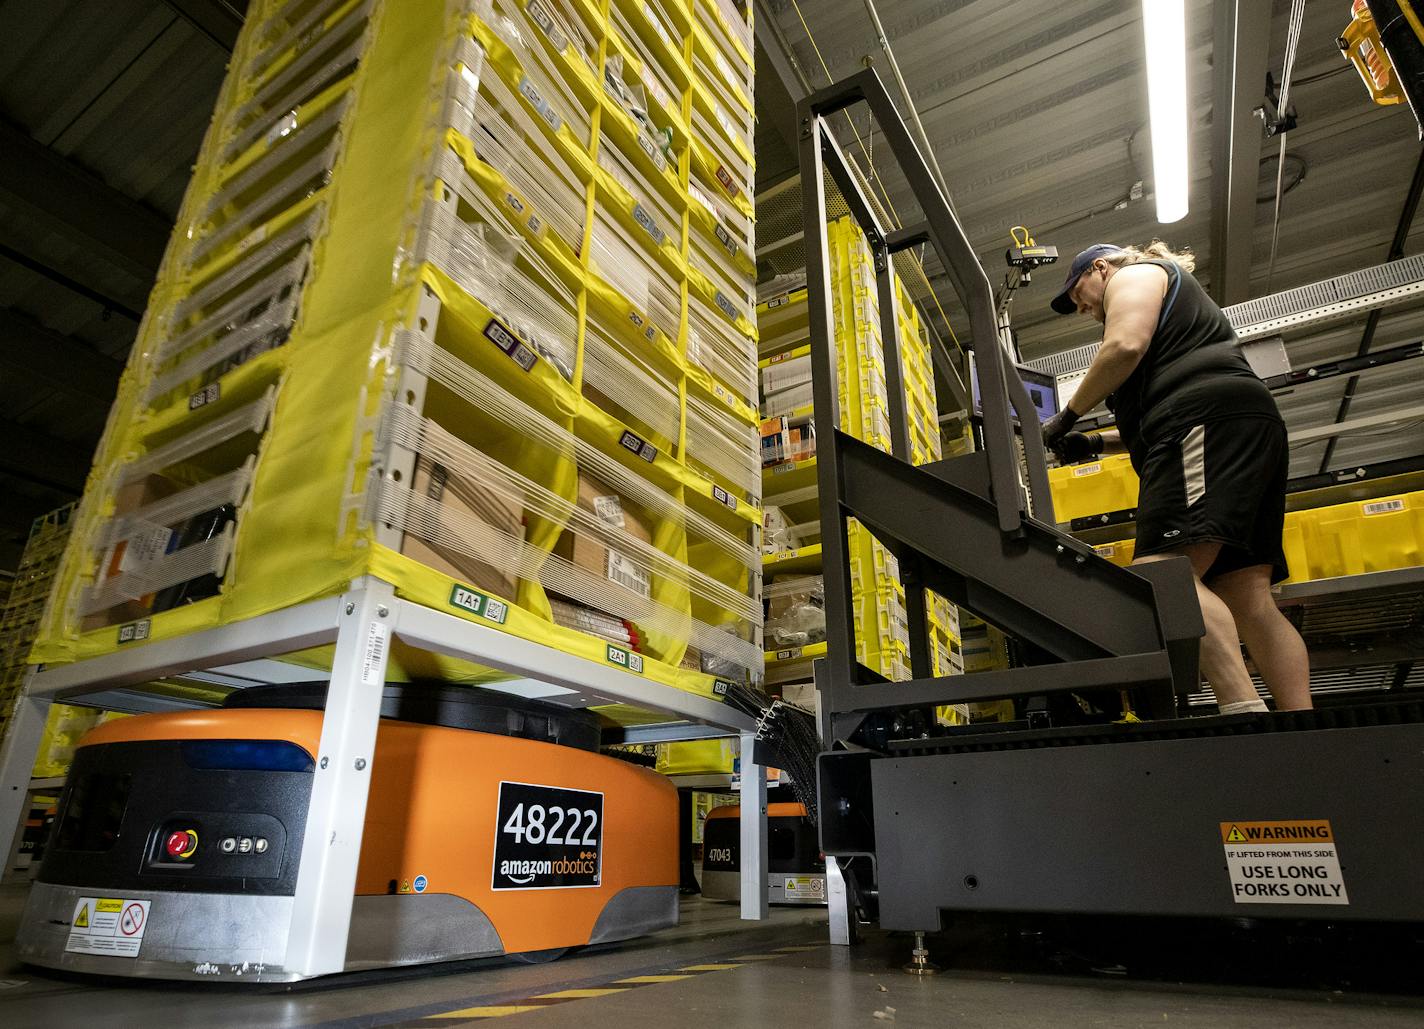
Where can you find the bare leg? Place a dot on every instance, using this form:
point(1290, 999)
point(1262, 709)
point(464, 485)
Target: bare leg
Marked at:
point(1221, 661)
point(1275, 646)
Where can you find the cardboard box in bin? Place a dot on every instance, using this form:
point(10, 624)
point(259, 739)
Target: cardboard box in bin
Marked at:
point(462, 499)
point(127, 553)
point(590, 554)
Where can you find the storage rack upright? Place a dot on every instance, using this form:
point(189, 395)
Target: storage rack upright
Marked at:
point(450, 359)
point(793, 554)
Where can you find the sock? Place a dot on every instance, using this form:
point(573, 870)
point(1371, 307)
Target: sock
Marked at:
point(1241, 707)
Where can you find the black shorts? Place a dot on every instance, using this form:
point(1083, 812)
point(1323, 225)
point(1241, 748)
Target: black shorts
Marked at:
point(1224, 482)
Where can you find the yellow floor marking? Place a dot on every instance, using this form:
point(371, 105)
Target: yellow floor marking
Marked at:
point(576, 994)
point(707, 968)
point(489, 1011)
point(759, 957)
point(798, 950)
point(654, 979)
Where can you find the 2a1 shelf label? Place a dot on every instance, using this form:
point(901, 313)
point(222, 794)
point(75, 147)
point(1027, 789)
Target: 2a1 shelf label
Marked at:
point(547, 838)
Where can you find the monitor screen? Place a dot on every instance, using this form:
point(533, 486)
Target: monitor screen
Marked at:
point(1042, 390)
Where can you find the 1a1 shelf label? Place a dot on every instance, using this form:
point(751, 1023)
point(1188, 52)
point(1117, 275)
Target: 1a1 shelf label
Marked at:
point(547, 838)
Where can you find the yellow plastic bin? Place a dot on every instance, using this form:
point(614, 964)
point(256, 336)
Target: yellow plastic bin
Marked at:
point(1365, 536)
point(1100, 487)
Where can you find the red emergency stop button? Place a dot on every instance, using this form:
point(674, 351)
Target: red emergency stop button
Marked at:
point(181, 844)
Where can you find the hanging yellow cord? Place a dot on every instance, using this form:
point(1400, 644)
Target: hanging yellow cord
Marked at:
point(919, 267)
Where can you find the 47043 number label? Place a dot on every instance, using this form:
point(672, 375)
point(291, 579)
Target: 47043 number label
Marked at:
point(547, 838)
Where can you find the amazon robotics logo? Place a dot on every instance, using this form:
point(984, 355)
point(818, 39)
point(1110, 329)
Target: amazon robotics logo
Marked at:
point(547, 838)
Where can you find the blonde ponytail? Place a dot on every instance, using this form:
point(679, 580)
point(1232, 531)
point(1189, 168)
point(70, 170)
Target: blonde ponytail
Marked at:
point(1154, 251)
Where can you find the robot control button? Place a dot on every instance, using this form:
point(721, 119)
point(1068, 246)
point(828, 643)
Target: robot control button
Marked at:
point(244, 845)
point(228, 845)
point(259, 845)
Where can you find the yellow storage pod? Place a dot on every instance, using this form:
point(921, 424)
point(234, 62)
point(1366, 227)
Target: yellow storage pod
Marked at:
point(447, 304)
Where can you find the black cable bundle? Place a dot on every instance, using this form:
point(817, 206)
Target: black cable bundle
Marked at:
point(789, 733)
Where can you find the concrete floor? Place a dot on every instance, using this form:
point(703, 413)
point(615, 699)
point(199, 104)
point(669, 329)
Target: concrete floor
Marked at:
point(725, 973)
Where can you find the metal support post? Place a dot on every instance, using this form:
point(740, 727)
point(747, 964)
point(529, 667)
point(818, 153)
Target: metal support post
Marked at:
point(753, 833)
point(916, 617)
point(17, 761)
point(835, 550)
point(331, 845)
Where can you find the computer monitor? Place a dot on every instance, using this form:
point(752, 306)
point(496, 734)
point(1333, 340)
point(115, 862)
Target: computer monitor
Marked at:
point(1042, 390)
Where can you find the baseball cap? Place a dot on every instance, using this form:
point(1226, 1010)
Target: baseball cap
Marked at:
point(1080, 264)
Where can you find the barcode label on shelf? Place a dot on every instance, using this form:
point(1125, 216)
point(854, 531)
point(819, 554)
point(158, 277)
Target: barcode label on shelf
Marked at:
point(643, 218)
point(372, 670)
point(207, 395)
point(650, 331)
point(778, 301)
point(628, 575)
point(625, 659)
point(526, 88)
point(637, 445)
point(501, 337)
point(1087, 469)
point(720, 687)
point(725, 306)
point(723, 497)
point(135, 632)
point(727, 240)
point(654, 152)
point(728, 183)
point(545, 21)
point(1383, 507)
point(467, 598)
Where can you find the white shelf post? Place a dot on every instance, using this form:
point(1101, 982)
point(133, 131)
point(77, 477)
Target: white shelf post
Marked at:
point(17, 761)
point(753, 833)
point(336, 816)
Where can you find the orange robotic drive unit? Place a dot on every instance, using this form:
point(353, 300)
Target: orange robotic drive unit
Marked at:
point(493, 827)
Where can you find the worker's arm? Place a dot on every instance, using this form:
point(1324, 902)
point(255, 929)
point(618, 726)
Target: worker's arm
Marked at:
point(1112, 442)
point(1073, 447)
point(1132, 304)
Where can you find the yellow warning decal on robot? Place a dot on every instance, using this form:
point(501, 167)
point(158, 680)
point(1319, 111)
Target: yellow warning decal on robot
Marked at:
point(110, 926)
point(1283, 862)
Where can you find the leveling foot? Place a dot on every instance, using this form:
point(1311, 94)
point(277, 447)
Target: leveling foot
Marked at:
point(920, 963)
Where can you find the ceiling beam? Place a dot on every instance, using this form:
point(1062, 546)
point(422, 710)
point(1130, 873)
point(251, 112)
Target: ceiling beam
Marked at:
point(778, 94)
point(50, 191)
point(1242, 32)
point(43, 459)
point(1367, 338)
point(60, 361)
point(219, 20)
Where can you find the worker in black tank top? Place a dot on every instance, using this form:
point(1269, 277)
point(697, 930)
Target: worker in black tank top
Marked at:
point(1209, 448)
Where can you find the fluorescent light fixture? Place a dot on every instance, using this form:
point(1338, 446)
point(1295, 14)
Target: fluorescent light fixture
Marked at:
point(1164, 29)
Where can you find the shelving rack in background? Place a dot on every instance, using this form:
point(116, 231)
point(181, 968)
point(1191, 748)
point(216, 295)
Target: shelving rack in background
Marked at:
point(792, 528)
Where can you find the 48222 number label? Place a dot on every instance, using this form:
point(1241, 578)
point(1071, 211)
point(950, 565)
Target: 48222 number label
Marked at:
point(547, 837)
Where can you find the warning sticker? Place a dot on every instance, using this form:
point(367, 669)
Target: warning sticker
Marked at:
point(1283, 863)
point(107, 925)
point(810, 887)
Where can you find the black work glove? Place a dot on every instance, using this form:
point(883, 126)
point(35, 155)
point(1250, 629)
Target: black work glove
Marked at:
point(1073, 447)
point(1058, 426)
